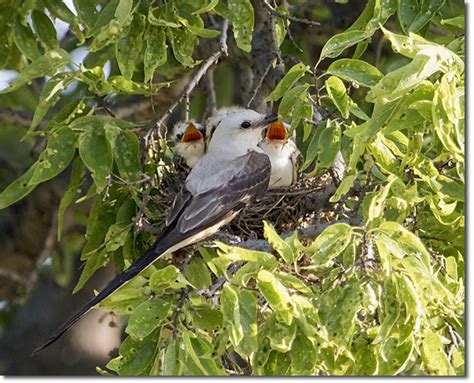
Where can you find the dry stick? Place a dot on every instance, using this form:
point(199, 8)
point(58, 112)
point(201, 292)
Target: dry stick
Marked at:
point(186, 108)
point(211, 94)
point(288, 17)
point(196, 78)
point(260, 83)
point(275, 40)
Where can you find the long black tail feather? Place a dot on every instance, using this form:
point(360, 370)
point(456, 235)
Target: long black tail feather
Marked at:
point(151, 255)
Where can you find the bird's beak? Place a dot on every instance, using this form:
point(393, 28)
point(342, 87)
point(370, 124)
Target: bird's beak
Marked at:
point(277, 131)
point(268, 120)
point(191, 134)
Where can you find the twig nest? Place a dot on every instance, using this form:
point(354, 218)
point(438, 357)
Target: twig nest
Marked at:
point(287, 209)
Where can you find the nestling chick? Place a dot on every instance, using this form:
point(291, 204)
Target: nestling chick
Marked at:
point(189, 141)
point(283, 153)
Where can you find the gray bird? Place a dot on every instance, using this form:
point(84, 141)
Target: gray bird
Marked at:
point(232, 174)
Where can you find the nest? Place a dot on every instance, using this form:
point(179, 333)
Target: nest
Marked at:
point(287, 209)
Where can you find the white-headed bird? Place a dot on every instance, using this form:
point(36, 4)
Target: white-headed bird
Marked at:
point(232, 174)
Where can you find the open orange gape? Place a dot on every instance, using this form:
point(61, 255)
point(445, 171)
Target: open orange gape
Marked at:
point(191, 134)
point(277, 131)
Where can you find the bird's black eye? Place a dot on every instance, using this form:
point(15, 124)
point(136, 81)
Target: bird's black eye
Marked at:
point(245, 125)
point(179, 136)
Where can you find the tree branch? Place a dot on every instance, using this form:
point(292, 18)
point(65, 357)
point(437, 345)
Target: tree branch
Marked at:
point(288, 17)
point(194, 81)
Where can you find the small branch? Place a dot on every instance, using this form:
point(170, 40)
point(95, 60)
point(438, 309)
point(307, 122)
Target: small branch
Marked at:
point(211, 93)
point(288, 17)
point(186, 107)
point(259, 85)
point(195, 79)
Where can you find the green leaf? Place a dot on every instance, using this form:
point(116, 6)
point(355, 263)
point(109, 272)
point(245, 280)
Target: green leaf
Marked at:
point(343, 187)
point(358, 71)
point(339, 318)
point(135, 356)
point(402, 80)
point(276, 295)
point(112, 25)
point(93, 263)
point(25, 40)
point(207, 318)
point(198, 275)
point(170, 359)
point(57, 155)
point(96, 154)
point(324, 147)
point(391, 311)
point(241, 14)
point(330, 243)
point(45, 29)
point(60, 10)
point(86, 11)
point(147, 317)
point(18, 188)
point(294, 74)
point(230, 308)
point(164, 278)
point(413, 44)
point(183, 43)
point(156, 50)
point(229, 254)
point(290, 99)
point(425, 14)
point(286, 251)
point(338, 94)
point(126, 151)
point(45, 65)
point(282, 336)
point(405, 240)
point(395, 357)
point(340, 42)
point(435, 359)
point(303, 355)
point(128, 50)
point(457, 22)
point(49, 96)
point(116, 235)
point(199, 360)
point(75, 182)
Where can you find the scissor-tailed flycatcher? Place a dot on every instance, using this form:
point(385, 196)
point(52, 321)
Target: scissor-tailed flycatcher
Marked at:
point(233, 173)
point(213, 121)
point(283, 153)
point(189, 141)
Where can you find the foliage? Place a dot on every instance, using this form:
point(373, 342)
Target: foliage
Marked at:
point(385, 297)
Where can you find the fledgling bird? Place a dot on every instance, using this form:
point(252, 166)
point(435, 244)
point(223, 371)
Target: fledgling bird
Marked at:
point(283, 153)
point(232, 174)
point(189, 141)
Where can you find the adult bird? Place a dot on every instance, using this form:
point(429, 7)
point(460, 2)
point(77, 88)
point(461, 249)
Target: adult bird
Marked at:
point(283, 153)
point(232, 174)
point(189, 141)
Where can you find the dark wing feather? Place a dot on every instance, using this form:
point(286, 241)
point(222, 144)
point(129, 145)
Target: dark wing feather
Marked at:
point(210, 207)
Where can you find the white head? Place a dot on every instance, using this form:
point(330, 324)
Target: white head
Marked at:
point(239, 131)
point(189, 142)
point(213, 121)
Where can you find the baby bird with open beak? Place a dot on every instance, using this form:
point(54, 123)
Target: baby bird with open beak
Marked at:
point(283, 153)
point(189, 141)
